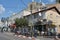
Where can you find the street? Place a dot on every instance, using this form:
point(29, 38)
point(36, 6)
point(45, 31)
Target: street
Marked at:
point(10, 36)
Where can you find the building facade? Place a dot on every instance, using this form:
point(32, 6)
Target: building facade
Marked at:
point(33, 18)
point(26, 12)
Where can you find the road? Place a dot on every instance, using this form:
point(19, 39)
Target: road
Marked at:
point(9, 36)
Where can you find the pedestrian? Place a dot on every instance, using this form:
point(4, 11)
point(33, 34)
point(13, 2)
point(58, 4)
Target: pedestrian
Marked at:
point(2, 29)
point(35, 33)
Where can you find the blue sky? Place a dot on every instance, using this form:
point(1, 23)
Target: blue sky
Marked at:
point(8, 7)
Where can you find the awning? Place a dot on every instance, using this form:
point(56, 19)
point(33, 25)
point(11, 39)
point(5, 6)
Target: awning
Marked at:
point(13, 25)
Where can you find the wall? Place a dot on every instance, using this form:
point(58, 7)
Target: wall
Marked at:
point(54, 17)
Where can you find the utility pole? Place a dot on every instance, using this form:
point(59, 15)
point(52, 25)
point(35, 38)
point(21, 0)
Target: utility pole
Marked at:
point(31, 18)
point(31, 8)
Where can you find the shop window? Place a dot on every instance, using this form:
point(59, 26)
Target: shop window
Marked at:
point(35, 15)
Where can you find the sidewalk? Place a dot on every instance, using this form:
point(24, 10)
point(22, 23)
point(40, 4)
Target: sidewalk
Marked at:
point(43, 38)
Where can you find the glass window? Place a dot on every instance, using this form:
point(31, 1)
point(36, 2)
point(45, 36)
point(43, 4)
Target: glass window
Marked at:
point(36, 15)
point(30, 17)
point(40, 14)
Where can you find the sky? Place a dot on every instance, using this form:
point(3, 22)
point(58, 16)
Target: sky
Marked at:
point(9, 7)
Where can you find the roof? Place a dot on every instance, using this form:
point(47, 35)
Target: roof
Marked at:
point(57, 5)
point(47, 10)
point(53, 7)
point(49, 7)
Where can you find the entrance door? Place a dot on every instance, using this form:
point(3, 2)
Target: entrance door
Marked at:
point(40, 27)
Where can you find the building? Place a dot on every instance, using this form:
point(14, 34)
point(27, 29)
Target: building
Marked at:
point(26, 12)
point(54, 16)
point(58, 1)
point(12, 18)
point(33, 17)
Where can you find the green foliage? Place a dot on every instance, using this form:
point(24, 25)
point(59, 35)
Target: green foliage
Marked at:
point(21, 22)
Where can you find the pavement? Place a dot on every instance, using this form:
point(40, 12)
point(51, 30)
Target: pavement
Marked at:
point(43, 38)
point(11, 36)
point(33, 38)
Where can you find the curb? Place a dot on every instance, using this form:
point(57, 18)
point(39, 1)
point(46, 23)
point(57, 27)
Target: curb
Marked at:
point(21, 36)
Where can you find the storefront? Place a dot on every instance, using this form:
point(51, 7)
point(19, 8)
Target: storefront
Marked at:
point(40, 27)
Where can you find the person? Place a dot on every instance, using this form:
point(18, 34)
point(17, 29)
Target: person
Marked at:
point(35, 33)
point(42, 33)
point(2, 29)
point(48, 33)
point(16, 30)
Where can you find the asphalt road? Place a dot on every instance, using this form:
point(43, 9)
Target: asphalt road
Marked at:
point(9, 36)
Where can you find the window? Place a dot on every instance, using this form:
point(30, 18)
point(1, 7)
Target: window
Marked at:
point(39, 14)
point(36, 15)
point(28, 17)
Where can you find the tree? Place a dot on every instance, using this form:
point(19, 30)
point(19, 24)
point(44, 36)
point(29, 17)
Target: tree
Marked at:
point(22, 22)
